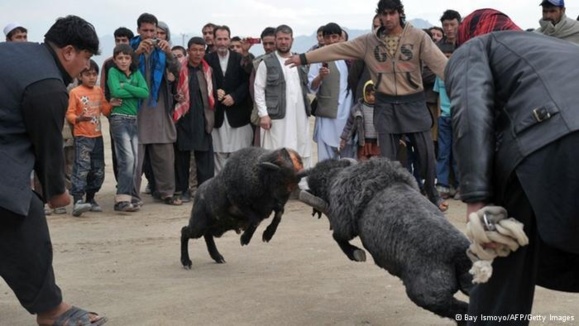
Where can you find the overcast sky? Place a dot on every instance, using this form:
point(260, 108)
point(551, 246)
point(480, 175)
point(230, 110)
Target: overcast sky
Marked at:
point(246, 17)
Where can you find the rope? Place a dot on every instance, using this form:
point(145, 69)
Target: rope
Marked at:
point(491, 224)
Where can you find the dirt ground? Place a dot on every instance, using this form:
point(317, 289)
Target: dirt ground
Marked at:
point(126, 266)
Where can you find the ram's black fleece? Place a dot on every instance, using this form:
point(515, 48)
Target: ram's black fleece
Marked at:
point(254, 183)
point(407, 235)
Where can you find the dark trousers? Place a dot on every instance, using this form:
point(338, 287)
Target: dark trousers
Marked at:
point(422, 142)
point(511, 288)
point(26, 258)
point(204, 161)
point(88, 172)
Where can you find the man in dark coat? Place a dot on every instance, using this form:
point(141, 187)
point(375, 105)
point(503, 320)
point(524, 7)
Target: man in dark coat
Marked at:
point(516, 128)
point(34, 101)
point(232, 130)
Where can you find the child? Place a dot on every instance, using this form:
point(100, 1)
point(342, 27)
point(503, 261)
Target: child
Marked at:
point(127, 84)
point(445, 160)
point(86, 104)
point(360, 124)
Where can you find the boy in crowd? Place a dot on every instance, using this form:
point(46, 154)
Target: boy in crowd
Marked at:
point(360, 126)
point(86, 104)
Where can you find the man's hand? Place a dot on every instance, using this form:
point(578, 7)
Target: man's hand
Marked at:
point(60, 200)
point(265, 122)
point(323, 72)
point(293, 61)
point(165, 47)
point(342, 144)
point(473, 208)
point(228, 100)
point(146, 46)
point(220, 94)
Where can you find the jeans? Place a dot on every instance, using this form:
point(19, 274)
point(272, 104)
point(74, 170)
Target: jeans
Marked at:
point(445, 157)
point(126, 140)
point(88, 172)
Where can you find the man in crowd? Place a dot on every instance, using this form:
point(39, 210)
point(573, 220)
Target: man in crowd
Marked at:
point(283, 106)
point(15, 33)
point(208, 36)
point(516, 128)
point(555, 23)
point(329, 81)
point(156, 129)
point(232, 114)
point(395, 67)
point(450, 20)
point(33, 109)
point(194, 118)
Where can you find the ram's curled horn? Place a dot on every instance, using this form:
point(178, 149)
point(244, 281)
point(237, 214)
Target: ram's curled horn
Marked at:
point(314, 201)
point(349, 159)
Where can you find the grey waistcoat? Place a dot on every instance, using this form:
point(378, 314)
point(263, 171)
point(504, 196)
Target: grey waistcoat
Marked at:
point(329, 93)
point(275, 88)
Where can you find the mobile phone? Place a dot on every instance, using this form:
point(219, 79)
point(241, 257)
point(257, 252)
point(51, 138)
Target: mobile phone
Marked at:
point(253, 40)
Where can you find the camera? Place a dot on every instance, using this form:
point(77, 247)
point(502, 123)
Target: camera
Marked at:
point(155, 41)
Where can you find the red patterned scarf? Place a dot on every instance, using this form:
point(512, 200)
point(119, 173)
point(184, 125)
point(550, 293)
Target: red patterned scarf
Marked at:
point(484, 21)
point(183, 88)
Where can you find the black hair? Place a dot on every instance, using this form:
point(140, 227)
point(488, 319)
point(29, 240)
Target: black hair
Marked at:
point(284, 29)
point(208, 25)
point(427, 31)
point(195, 40)
point(332, 28)
point(128, 50)
point(346, 35)
point(436, 28)
point(320, 29)
point(179, 48)
point(222, 28)
point(92, 66)
point(75, 31)
point(124, 32)
point(18, 29)
point(369, 88)
point(268, 31)
point(236, 39)
point(384, 5)
point(450, 15)
point(147, 18)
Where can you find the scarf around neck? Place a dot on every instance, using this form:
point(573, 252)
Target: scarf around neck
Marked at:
point(157, 60)
point(183, 87)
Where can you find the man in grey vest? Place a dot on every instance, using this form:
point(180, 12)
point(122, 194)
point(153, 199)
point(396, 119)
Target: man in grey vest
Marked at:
point(34, 101)
point(281, 99)
point(329, 80)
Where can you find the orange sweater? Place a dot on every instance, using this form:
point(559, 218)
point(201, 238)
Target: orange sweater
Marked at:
point(88, 102)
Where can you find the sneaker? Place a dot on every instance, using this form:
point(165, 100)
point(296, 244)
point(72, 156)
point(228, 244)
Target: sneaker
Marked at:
point(443, 191)
point(95, 207)
point(59, 210)
point(80, 207)
point(137, 202)
point(186, 197)
point(47, 210)
point(147, 189)
point(125, 206)
point(457, 195)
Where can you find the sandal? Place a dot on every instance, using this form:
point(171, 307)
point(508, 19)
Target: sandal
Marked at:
point(76, 316)
point(173, 201)
point(442, 205)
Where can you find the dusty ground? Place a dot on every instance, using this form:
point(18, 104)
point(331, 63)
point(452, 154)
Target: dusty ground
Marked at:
point(127, 267)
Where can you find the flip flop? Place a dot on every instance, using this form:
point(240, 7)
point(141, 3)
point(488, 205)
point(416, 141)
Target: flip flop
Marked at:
point(443, 205)
point(79, 317)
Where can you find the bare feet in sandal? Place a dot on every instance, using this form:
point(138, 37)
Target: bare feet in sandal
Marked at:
point(65, 315)
point(443, 206)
